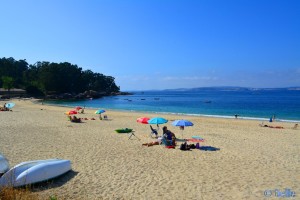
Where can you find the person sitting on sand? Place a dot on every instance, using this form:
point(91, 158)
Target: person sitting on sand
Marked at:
point(75, 119)
point(168, 135)
point(4, 108)
point(82, 110)
point(296, 126)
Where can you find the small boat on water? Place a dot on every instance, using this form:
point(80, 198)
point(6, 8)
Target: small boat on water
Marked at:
point(207, 101)
point(36, 171)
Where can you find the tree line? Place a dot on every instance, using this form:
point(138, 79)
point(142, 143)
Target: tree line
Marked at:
point(43, 78)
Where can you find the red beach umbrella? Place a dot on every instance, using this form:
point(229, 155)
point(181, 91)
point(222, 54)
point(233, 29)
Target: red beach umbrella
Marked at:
point(78, 108)
point(71, 112)
point(143, 120)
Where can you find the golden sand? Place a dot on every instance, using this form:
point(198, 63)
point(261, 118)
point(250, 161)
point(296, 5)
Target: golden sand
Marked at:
point(107, 165)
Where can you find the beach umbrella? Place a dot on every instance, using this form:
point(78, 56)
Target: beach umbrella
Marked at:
point(71, 112)
point(157, 121)
point(143, 120)
point(100, 111)
point(182, 123)
point(78, 107)
point(10, 105)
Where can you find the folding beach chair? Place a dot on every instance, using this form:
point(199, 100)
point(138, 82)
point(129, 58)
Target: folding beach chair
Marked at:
point(153, 132)
point(132, 134)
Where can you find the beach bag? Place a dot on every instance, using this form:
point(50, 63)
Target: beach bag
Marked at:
point(183, 146)
point(198, 145)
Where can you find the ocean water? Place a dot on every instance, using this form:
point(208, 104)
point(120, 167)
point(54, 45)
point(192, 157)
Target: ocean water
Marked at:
point(258, 104)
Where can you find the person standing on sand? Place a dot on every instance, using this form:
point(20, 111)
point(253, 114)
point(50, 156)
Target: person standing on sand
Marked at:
point(273, 118)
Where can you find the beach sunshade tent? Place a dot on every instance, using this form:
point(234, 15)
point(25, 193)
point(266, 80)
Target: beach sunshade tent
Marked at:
point(182, 123)
point(71, 112)
point(143, 120)
point(10, 105)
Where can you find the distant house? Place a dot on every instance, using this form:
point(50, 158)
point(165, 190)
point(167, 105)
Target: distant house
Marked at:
point(14, 92)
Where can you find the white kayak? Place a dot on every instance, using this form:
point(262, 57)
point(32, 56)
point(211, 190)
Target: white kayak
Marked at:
point(4, 166)
point(35, 171)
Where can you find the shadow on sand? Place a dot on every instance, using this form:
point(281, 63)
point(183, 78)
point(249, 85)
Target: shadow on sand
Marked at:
point(54, 183)
point(209, 148)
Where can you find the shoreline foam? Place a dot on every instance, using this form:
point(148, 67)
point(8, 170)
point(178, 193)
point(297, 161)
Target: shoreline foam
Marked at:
point(187, 114)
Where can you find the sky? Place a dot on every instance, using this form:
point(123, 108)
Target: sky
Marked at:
point(160, 44)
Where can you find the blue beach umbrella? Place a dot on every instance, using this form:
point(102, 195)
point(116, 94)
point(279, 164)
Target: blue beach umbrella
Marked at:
point(100, 111)
point(157, 120)
point(182, 123)
point(10, 105)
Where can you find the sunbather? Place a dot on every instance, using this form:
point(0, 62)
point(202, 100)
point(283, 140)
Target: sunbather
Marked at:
point(4, 108)
point(74, 119)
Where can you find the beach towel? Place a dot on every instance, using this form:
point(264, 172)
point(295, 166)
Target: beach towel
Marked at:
point(170, 147)
point(195, 140)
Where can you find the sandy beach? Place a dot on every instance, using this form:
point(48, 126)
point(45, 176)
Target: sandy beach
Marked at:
point(106, 165)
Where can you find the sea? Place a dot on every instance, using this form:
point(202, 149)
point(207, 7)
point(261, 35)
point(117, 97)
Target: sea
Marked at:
point(284, 105)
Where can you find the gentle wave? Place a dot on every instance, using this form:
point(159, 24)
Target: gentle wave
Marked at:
point(262, 105)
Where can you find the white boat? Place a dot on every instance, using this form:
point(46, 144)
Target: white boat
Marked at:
point(4, 166)
point(35, 171)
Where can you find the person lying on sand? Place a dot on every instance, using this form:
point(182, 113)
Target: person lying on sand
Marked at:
point(151, 144)
point(280, 127)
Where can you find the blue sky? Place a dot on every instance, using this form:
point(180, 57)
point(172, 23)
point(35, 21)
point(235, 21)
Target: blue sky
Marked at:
point(160, 44)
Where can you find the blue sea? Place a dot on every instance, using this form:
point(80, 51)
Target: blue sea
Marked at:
point(255, 104)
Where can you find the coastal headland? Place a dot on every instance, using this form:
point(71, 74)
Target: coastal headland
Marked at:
point(249, 160)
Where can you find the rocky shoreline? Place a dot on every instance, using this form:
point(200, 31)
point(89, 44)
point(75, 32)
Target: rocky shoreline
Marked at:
point(85, 95)
point(91, 94)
